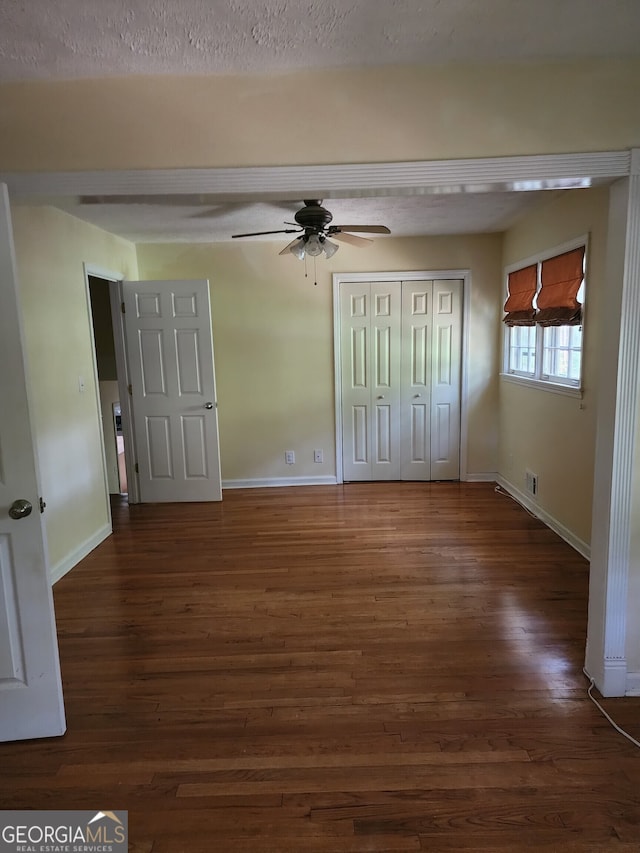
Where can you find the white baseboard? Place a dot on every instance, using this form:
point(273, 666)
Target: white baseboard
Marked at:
point(272, 482)
point(269, 482)
point(60, 569)
point(488, 477)
point(611, 678)
point(633, 684)
point(563, 532)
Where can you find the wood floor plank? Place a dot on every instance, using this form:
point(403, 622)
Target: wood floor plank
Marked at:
point(367, 667)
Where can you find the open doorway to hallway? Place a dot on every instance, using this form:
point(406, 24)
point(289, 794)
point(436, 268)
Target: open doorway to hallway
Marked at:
point(109, 388)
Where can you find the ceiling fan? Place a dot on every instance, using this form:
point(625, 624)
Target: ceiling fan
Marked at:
point(313, 225)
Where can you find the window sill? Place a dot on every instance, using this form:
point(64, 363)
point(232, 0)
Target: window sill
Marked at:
point(541, 385)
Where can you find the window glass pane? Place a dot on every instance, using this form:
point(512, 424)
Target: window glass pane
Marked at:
point(562, 353)
point(576, 337)
point(575, 364)
point(522, 349)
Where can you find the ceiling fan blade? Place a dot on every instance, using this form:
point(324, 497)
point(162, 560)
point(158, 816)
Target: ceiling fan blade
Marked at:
point(361, 242)
point(289, 245)
point(165, 200)
point(260, 233)
point(225, 208)
point(365, 229)
point(210, 213)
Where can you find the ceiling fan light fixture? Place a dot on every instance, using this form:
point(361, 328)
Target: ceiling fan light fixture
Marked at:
point(312, 225)
point(329, 248)
point(313, 245)
point(297, 249)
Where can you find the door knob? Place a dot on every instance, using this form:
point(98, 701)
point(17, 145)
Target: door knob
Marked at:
point(20, 509)
point(380, 396)
point(416, 395)
point(208, 405)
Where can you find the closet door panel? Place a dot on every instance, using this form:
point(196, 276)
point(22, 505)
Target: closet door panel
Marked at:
point(417, 302)
point(355, 332)
point(446, 375)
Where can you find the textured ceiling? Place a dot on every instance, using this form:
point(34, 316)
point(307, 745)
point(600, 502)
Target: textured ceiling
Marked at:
point(177, 220)
point(66, 39)
point(97, 38)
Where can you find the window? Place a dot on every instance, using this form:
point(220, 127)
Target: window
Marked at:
point(522, 350)
point(543, 318)
point(562, 354)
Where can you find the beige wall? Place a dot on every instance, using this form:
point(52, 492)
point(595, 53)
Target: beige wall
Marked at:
point(50, 249)
point(549, 434)
point(273, 341)
point(385, 114)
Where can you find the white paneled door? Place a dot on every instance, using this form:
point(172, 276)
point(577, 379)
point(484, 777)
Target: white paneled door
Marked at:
point(400, 379)
point(371, 380)
point(173, 393)
point(30, 687)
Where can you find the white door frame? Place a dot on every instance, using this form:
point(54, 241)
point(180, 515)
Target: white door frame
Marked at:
point(405, 275)
point(609, 571)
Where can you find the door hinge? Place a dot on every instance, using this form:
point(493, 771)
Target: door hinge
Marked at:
point(122, 308)
point(130, 390)
point(42, 504)
point(137, 469)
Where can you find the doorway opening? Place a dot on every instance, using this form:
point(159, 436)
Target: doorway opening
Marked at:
point(111, 373)
point(108, 389)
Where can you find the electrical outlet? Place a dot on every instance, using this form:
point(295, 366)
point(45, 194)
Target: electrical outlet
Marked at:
point(531, 482)
point(289, 457)
point(318, 456)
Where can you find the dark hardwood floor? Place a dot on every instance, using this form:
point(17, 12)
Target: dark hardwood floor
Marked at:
point(374, 667)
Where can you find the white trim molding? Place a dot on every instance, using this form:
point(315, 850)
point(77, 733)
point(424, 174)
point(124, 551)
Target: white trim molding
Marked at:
point(617, 392)
point(606, 659)
point(475, 175)
point(276, 482)
point(84, 549)
point(633, 684)
point(488, 477)
point(541, 385)
point(546, 518)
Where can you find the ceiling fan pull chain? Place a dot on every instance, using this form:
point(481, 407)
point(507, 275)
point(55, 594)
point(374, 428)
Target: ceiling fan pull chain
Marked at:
point(315, 274)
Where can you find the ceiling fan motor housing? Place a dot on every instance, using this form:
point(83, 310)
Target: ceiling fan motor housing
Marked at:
point(313, 217)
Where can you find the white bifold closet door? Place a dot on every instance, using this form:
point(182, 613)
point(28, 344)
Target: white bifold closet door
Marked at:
point(400, 379)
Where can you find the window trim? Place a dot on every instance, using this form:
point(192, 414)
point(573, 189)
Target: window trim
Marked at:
point(543, 385)
point(570, 389)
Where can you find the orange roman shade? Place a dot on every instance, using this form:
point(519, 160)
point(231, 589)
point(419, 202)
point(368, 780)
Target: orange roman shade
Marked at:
point(561, 280)
point(519, 305)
